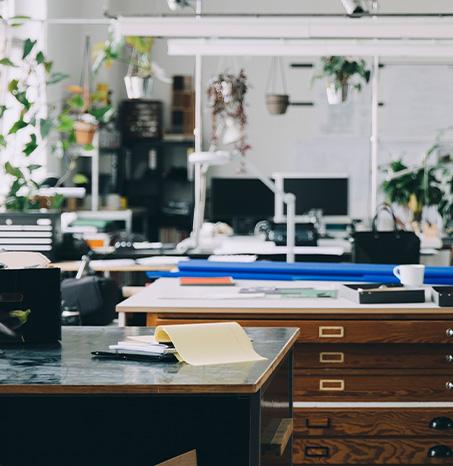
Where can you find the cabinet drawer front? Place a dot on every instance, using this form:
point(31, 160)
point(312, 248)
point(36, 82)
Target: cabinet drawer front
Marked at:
point(373, 422)
point(372, 331)
point(370, 451)
point(354, 356)
point(338, 387)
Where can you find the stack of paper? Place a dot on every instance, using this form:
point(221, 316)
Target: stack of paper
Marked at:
point(142, 345)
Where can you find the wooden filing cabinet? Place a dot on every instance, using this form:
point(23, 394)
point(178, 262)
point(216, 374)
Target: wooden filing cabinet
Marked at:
point(369, 389)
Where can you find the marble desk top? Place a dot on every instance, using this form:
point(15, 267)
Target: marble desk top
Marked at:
point(69, 368)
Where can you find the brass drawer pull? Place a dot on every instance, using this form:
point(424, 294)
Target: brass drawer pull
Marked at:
point(317, 452)
point(331, 332)
point(332, 358)
point(317, 423)
point(332, 385)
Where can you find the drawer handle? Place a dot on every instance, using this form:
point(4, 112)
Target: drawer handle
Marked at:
point(331, 385)
point(332, 332)
point(449, 332)
point(449, 385)
point(332, 358)
point(317, 452)
point(440, 451)
point(449, 357)
point(317, 423)
point(441, 423)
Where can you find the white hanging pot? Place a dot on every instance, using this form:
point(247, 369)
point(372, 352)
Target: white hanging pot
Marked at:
point(337, 93)
point(231, 131)
point(138, 87)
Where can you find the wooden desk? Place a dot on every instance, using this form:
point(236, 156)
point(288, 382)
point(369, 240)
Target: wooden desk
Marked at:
point(370, 381)
point(60, 407)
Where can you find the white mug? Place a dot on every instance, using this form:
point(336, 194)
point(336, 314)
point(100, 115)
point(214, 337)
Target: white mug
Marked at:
point(410, 275)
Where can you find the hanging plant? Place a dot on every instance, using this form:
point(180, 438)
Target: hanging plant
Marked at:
point(276, 102)
point(341, 74)
point(226, 98)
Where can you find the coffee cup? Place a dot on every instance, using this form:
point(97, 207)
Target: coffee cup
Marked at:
point(410, 275)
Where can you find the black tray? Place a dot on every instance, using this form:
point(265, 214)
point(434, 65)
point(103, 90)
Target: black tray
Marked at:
point(381, 293)
point(443, 295)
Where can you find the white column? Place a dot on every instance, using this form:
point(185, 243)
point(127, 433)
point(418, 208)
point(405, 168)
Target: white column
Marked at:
point(374, 165)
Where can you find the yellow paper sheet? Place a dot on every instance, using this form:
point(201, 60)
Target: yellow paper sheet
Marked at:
point(205, 344)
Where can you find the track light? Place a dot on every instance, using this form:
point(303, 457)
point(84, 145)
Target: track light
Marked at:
point(355, 7)
point(175, 5)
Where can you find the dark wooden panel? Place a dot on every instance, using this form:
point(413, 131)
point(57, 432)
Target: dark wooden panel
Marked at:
point(369, 387)
point(373, 422)
point(393, 356)
point(344, 331)
point(368, 451)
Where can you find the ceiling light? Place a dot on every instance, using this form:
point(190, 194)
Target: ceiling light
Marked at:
point(175, 5)
point(355, 7)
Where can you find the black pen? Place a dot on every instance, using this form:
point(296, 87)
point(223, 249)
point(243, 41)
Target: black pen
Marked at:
point(132, 357)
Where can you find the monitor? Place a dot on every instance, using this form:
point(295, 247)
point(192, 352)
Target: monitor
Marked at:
point(233, 198)
point(327, 192)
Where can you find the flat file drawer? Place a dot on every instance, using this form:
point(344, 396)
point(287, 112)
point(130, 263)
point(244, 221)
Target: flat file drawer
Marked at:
point(381, 422)
point(375, 331)
point(360, 451)
point(334, 386)
point(356, 356)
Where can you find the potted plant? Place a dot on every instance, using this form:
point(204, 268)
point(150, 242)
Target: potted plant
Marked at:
point(226, 97)
point(424, 185)
point(341, 74)
point(276, 102)
point(30, 128)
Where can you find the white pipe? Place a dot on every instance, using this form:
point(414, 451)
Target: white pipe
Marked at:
point(374, 163)
point(289, 27)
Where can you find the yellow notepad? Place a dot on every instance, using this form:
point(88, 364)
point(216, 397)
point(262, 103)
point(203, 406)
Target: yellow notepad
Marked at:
point(205, 344)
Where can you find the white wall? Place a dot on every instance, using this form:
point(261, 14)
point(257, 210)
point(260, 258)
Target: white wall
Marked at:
point(314, 139)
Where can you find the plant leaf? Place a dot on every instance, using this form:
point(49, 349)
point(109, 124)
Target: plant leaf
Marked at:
point(55, 78)
point(12, 85)
point(65, 123)
point(3, 109)
point(2, 141)
point(76, 102)
point(7, 62)
point(31, 145)
point(45, 126)
point(13, 171)
point(34, 166)
point(40, 58)
point(28, 47)
point(18, 125)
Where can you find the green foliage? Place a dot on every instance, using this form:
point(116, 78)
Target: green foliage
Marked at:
point(430, 184)
point(341, 71)
point(33, 62)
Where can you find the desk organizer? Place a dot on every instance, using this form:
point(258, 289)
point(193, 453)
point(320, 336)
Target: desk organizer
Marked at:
point(443, 295)
point(381, 293)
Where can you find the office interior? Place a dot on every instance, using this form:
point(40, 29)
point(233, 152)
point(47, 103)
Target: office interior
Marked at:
point(284, 166)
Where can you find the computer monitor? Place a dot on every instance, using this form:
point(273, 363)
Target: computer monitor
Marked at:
point(240, 201)
point(326, 192)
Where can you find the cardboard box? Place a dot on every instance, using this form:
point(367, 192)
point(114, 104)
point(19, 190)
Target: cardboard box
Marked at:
point(186, 459)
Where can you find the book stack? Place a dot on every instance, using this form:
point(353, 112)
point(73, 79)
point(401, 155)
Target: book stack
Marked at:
point(144, 345)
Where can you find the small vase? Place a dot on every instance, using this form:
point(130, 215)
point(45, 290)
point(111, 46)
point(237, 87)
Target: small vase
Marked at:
point(277, 104)
point(138, 87)
point(337, 93)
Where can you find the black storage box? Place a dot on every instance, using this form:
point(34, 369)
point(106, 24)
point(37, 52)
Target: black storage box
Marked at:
point(443, 295)
point(382, 293)
point(30, 305)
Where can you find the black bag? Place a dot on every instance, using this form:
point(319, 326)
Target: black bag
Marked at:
point(385, 247)
point(93, 297)
point(30, 305)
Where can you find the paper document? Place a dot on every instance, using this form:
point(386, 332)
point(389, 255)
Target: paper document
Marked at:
point(23, 260)
point(206, 344)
